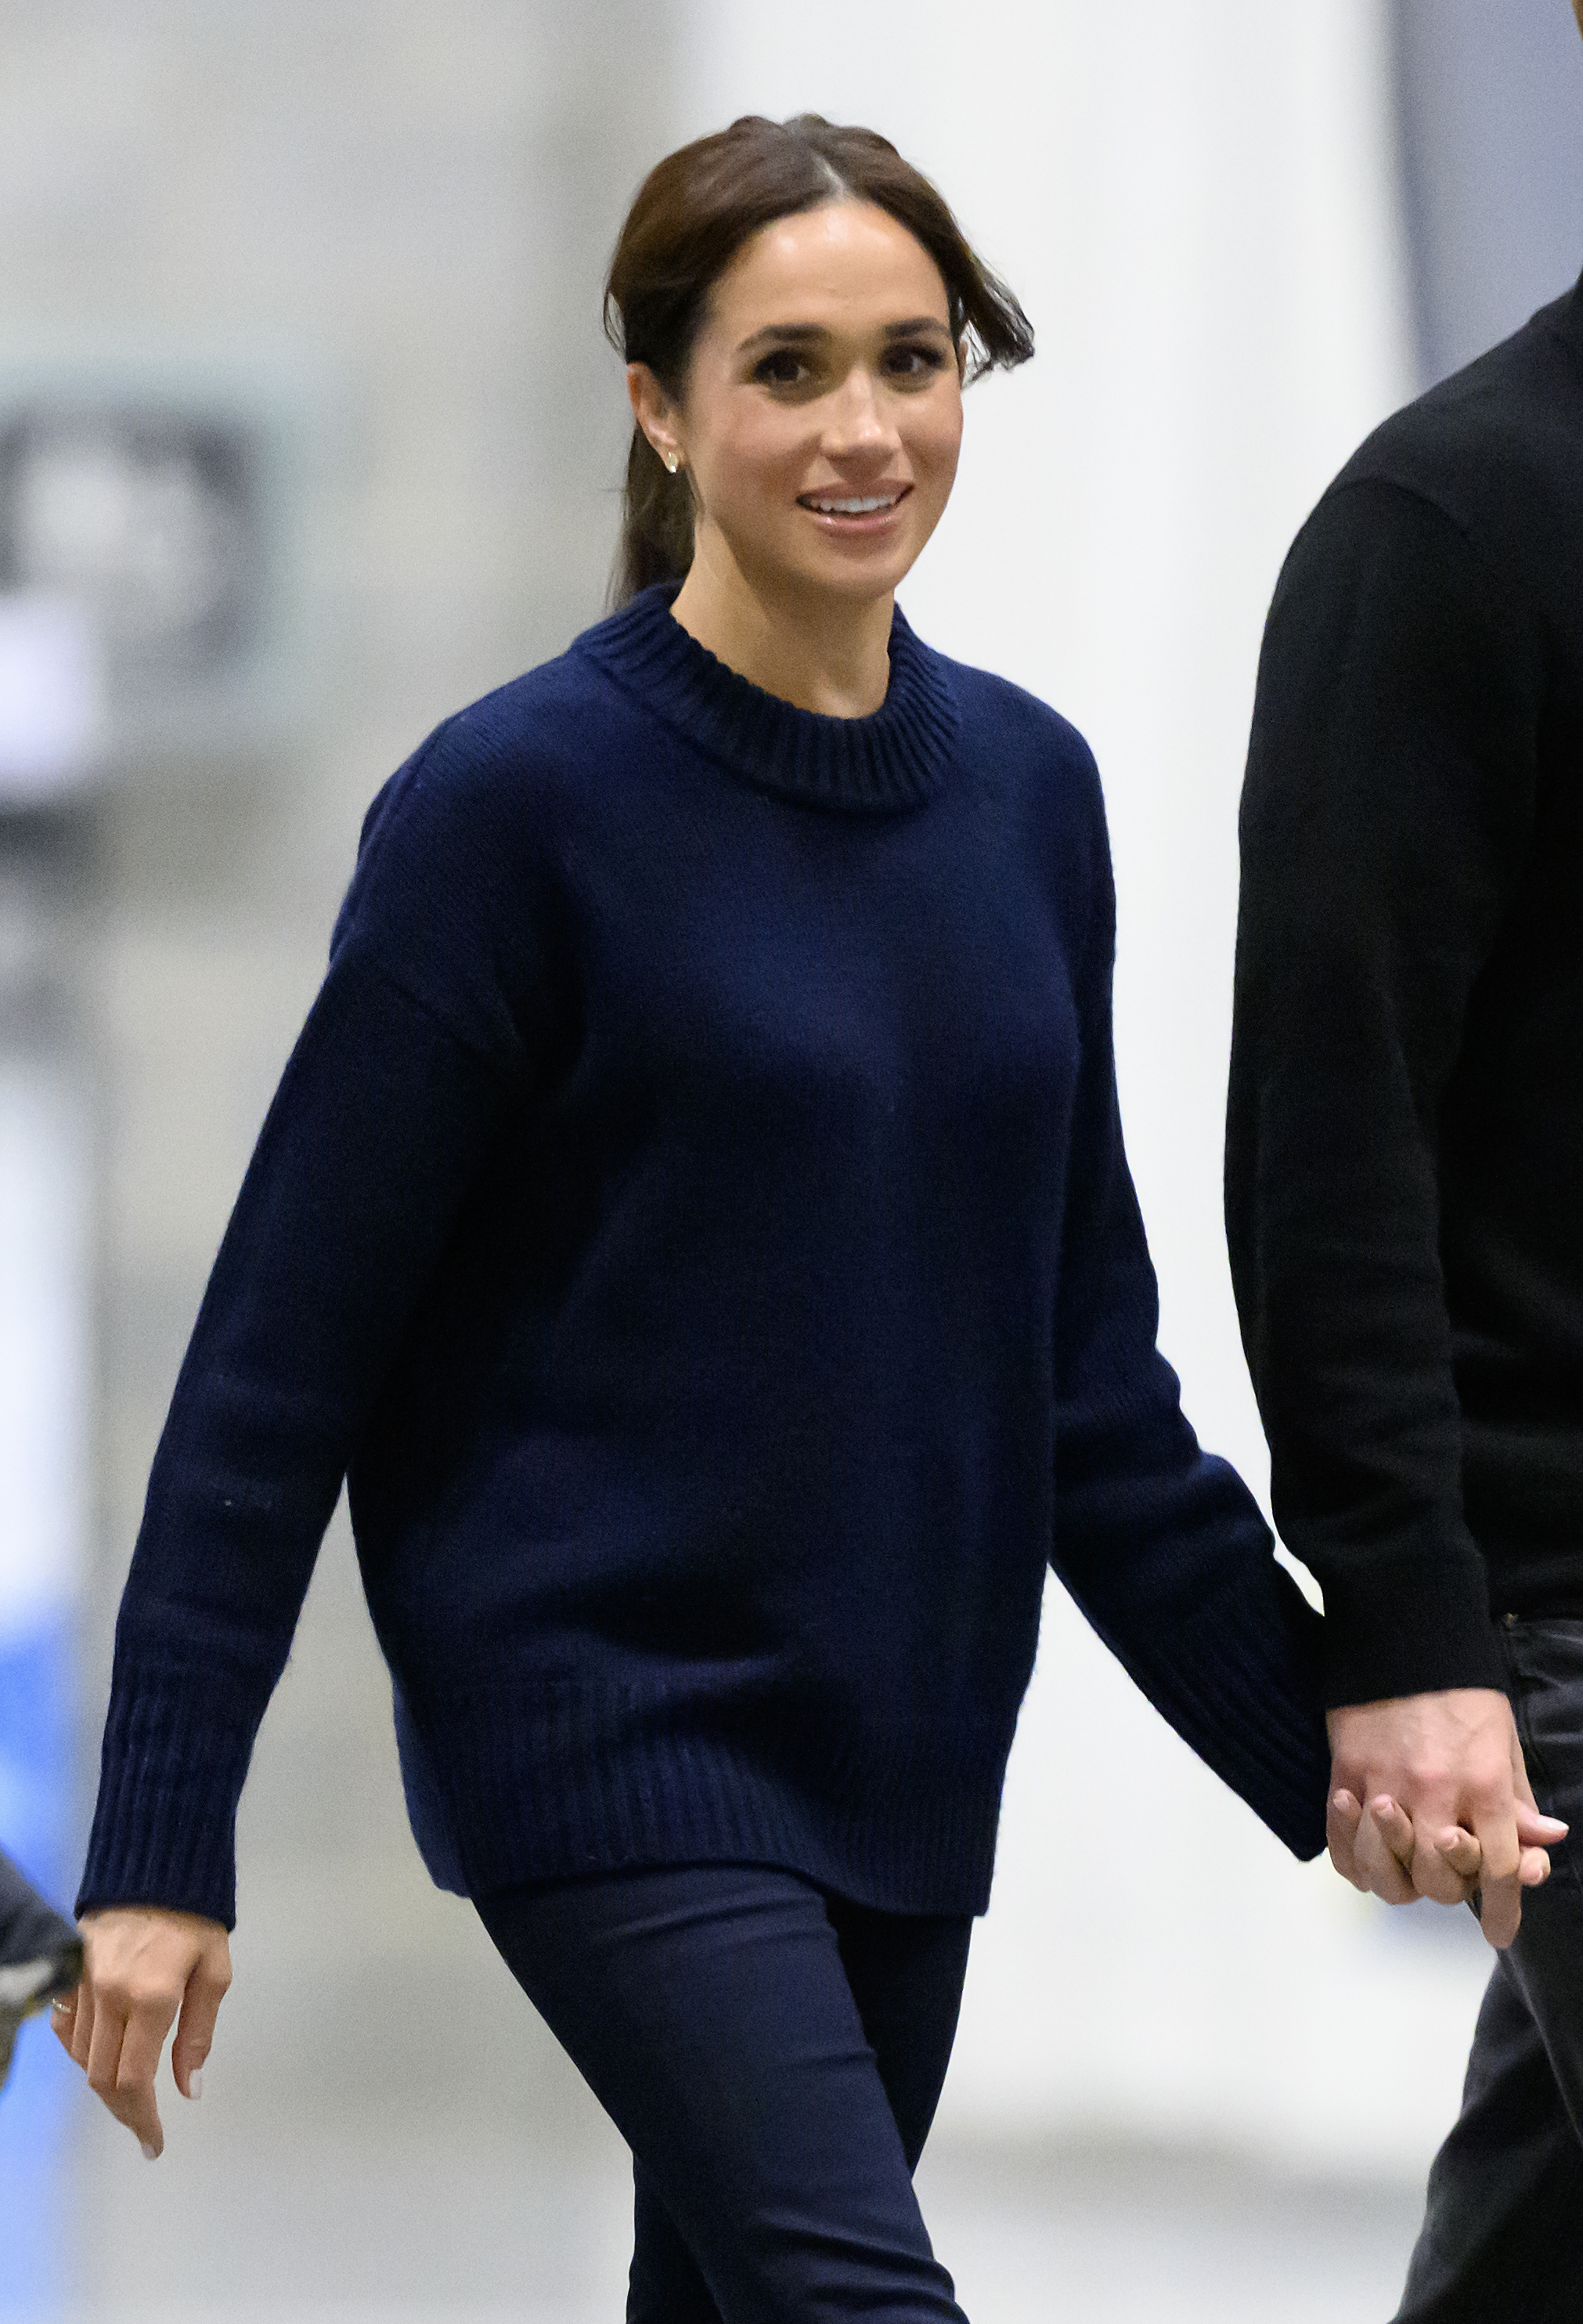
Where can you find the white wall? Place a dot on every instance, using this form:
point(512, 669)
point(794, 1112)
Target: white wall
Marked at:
point(1193, 200)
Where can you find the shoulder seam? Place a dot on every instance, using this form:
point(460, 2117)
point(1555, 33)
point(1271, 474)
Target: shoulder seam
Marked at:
point(1500, 585)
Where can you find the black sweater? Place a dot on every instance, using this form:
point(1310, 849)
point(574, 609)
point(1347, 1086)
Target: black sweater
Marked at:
point(1404, 1159)
point(696, 1217)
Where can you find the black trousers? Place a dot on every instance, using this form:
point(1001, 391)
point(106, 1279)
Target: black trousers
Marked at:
point(773, 2057)
point(1502, 2241)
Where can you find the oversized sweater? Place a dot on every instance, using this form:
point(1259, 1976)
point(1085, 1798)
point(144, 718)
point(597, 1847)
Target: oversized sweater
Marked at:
point(694, 1219)
point(1404, 1162)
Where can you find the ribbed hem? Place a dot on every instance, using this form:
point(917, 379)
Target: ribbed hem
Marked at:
point(584, 1782)
point(176, 1749)
point(1413, 1622)
point(1240, 1681)
point(894, 759)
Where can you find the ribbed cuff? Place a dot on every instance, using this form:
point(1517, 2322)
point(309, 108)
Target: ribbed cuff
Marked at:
point(1239, 1682)
point(1411, 1622)
point(175, 1756)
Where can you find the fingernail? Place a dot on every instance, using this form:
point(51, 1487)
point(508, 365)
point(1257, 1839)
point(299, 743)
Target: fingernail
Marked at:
point(150, 2153)
point(195, 2083)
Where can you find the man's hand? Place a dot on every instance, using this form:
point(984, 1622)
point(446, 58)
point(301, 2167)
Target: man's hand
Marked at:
point(1373, 1847)
point(1429, 1797)
point(143, 1967)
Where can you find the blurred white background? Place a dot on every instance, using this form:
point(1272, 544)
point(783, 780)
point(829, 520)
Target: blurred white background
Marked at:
point(358, 250)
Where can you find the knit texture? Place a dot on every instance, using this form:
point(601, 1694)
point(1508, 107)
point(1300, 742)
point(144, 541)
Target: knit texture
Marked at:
point(695, 1216)
point(1404, 1159)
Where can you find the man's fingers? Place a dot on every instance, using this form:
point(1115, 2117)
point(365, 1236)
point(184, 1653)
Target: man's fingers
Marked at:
point(1536, 1830)
point(1446, 1865)
point(1461, 1852)
point(196, 2033)
point(1500, 1896)
point(1534, 1870)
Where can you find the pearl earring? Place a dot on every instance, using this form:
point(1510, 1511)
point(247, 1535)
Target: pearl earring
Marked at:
point(672, 462)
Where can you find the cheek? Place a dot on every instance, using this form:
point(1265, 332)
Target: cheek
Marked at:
point(937, 444)
point(753, 455)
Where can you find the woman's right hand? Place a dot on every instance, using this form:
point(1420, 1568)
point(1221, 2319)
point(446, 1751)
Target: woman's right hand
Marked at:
point(143, 1966)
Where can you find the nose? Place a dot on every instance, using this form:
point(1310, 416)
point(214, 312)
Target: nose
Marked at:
point(858, 423)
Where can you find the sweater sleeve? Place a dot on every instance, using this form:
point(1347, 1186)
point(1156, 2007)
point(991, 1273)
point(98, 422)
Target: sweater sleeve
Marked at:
point(379, 1125)
point(1162, 1544)
point(1387, 804)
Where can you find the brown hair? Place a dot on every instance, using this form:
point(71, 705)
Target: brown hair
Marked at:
point(693, 212)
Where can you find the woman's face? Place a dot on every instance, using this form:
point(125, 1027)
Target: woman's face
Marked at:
point(821, 417)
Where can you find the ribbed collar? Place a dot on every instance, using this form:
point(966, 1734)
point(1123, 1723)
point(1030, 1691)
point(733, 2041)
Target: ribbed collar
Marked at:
point(895, 758)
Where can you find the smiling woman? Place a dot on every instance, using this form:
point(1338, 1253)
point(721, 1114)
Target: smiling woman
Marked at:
point(695, 1220)
point(693, 264)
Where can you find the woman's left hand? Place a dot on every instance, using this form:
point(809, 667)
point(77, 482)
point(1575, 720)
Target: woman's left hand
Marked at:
point(143, 1966)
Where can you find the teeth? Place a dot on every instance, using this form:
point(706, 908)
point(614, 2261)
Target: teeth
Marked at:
point(854, 508)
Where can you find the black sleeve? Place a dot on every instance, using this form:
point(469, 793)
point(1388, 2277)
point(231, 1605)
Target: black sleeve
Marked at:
point(1387, 805)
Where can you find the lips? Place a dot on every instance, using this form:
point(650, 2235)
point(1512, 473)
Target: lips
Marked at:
point(854, 506)
point(865, 507)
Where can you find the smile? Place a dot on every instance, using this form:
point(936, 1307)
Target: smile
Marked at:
point(853, 504)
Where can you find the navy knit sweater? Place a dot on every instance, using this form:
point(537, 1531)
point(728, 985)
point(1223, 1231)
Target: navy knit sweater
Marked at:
point(694, 1219)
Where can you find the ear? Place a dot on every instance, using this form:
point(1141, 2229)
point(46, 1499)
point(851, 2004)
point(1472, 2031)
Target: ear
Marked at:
point(654, 411)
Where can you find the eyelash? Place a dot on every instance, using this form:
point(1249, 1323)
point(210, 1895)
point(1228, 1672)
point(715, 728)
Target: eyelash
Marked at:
point(768, 372)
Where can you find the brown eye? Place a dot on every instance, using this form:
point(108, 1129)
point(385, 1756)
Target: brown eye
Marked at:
point(919, 360)
point(783, 367)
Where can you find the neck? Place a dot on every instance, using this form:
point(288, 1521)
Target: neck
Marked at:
point(811, 649)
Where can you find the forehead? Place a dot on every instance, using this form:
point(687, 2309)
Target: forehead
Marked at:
point(847, 265)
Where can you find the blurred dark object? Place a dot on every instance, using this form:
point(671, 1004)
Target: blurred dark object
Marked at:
point(1489, 116)
point(146, 515)
point(40, 1956)
point(149, 572)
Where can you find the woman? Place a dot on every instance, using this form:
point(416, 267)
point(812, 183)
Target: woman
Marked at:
point(695, 1218)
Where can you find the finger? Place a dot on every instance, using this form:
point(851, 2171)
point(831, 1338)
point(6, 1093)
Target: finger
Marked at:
point(102, 2061)
point(1446, 1865)
point(1343, 1812)
point(82, 2024)
point(1395, 1829)
point(1533, 1868)
point(63, 2017)
point(1500, 1896)
point(1421, 1855)
point(1537, 1831)
point(134, 2103)
point(1383, 1875)
point(195, 2034)
point(1461, 1851)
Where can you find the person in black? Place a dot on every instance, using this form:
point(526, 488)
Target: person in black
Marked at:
point(1404, 1206)
point(40, 1956)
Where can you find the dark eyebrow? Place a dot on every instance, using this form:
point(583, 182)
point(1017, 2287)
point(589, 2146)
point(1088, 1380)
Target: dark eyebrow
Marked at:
point(806, 334)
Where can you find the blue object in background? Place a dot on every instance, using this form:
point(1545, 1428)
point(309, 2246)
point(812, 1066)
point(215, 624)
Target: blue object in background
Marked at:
point(37, 1826)
point(43, 1456)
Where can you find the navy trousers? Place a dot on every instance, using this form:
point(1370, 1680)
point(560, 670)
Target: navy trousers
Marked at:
point(1502, 2241)
point(773, 2057)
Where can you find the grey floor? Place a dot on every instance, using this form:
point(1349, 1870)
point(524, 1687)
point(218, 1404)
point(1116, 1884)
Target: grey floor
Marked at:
point(344, 2229)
